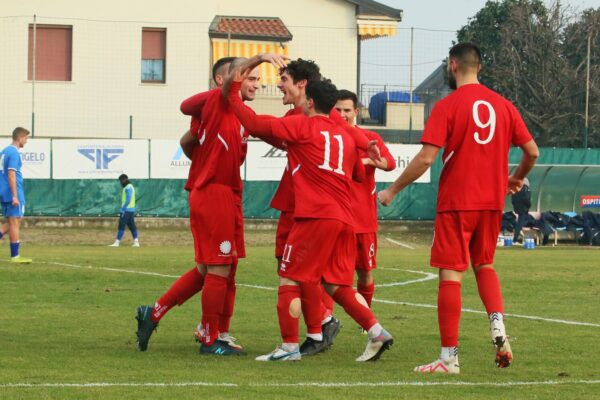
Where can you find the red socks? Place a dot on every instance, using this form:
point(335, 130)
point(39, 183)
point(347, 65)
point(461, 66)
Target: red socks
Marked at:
point(346, 297)
point(185, 287)
point(312, 306)
point(449, 306)
point(327, 303)
point(213, 299)
point(288, 324)
point(488, 286)
point(229, 304)
point(366, 291)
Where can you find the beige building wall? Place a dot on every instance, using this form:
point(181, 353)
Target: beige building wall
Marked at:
point(106, 64)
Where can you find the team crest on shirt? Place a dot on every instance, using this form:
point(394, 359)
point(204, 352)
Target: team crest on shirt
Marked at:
point(225, 247)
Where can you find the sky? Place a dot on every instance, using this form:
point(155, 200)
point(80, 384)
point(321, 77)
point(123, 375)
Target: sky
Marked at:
point(386, 61)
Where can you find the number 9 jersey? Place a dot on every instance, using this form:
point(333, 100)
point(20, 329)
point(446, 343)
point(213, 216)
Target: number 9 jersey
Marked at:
point(476, 127)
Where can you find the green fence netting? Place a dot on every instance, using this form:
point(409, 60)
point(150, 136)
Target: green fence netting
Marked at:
point(556, 188)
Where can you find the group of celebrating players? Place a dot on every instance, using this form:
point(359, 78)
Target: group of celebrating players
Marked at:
point(328, 202)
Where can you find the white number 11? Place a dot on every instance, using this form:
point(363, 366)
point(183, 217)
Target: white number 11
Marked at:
point(327, 156)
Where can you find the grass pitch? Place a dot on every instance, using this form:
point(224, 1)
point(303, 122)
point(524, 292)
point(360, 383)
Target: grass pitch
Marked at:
point(67, 326)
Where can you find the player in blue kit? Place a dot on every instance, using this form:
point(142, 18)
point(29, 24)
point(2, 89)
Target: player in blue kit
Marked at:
point(12, 194)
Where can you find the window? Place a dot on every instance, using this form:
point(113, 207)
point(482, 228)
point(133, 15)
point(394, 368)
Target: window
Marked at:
point(154, 49)
point(53, 52)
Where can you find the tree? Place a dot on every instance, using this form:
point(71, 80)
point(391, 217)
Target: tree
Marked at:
point(529, 57)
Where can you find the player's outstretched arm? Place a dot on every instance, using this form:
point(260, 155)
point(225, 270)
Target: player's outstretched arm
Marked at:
point(193, 105)
point(277, 60)
point(528, 160)
point(259, 127)
point(417, 167)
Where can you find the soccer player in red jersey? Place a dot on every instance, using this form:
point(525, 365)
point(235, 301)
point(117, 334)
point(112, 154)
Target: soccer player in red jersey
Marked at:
point(321, 245)
point(364, 200)
point(216, 118)
point(293, 80)
point(476, 128)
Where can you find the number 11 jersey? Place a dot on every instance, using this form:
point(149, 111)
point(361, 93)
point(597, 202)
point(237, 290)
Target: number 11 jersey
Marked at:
point(476, 127)
point(322, 159)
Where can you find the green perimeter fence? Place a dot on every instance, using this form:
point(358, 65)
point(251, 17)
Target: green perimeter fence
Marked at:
point(561, 177)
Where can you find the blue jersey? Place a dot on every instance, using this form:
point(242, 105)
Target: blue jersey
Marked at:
point(10, 159)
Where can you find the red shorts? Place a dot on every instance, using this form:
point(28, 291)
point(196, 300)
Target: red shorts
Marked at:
point(213, 219)
point(460, 237)
point(239, 231)
point(319, 250)
point(366, 251)
point(286, 221)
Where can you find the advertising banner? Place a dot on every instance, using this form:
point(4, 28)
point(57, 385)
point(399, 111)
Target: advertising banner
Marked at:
point(167, 160)
point(35, 156)
point(99, 159)
point(404, 153)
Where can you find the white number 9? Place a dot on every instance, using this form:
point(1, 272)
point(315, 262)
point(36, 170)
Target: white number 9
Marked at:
point(491, 123)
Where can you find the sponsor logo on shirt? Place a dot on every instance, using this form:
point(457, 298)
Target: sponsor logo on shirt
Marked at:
point(225, 247)
point(590, 202)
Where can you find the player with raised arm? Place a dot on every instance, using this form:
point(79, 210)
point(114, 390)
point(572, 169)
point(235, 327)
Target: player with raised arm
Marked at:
point(321, 245)
point(476, 127)
point(364, 200)
point(293, 80)
point(213, 115)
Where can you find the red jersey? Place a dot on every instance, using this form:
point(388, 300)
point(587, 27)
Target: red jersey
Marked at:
point(476, 127)
point(322, 158)
point(283, 200)
point(193, 106)
point(221, 149)
point(363, 194)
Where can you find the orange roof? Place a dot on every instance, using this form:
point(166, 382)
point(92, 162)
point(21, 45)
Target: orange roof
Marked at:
point(250, 28)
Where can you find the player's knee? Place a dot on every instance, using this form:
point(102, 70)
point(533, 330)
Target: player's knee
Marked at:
point(295, 308)
point(482, 267)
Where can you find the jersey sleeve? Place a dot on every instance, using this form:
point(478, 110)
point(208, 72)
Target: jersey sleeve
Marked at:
point(359, 137)
point(12, 160)
point(258, 126)
point(193, 105)
point(288, 128)
point(520, 134)
point(385, 154)
point(359, 173)
point(436, 129)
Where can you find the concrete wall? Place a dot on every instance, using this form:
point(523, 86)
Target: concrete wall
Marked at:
point(106, 89)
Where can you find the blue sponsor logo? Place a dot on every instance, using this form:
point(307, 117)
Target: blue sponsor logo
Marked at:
point(179, 159)
point(101, 156)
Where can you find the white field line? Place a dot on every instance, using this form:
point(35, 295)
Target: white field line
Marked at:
point(299, 384)
point(408, 246)
point(427, 278)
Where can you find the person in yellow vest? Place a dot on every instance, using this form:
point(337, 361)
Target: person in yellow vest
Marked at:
point(127, 212)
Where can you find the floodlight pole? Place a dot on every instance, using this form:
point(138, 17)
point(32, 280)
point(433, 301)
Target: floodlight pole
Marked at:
point(587, 93)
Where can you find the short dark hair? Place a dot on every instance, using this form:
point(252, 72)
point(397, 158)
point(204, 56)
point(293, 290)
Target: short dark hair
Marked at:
point(302, 69)
point(323, 93)
point(220, 63)
point(344, 94)
point(18, 132)
point(123, 177)
point(467, 54)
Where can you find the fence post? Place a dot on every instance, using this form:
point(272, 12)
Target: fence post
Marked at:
point(131, 127)
point(33, 67)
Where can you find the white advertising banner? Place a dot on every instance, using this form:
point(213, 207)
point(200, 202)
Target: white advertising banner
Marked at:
point(264, 162)
point(35, 156)
point(403, 153)
point(167, 160)
point(99, 159)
